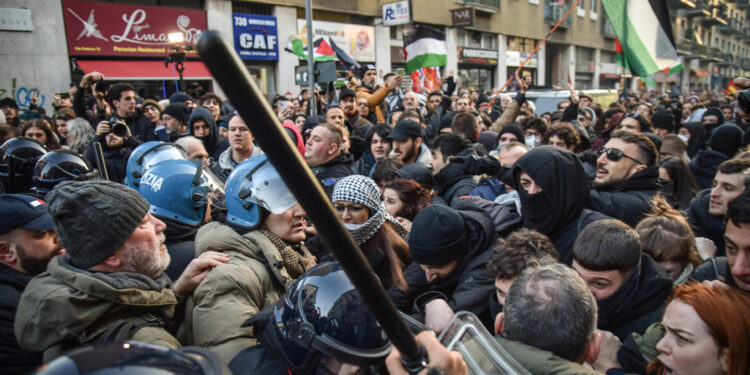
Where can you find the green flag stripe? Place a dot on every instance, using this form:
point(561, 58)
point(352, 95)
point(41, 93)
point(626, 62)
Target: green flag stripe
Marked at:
point(427, 60)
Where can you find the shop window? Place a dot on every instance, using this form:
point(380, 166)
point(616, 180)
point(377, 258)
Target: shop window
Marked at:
point(489, 41)
point(474, 39)
point(461, 38)
point(252, 8)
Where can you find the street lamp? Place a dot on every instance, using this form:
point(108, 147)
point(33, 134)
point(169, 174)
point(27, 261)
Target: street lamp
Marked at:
point(177, 55)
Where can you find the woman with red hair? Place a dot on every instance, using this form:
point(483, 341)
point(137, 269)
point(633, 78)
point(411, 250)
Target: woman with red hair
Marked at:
point(404, 199)
point(707, 332)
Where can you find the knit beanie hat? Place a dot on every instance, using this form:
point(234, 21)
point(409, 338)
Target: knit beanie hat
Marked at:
point(663, 119)
point(94, 218)
point(513, 128)
point(726, 139)
point(437, 236)
point(179, 111)
point(713, 111)
point(179, 97)
point(151, 103)
point(357, 189)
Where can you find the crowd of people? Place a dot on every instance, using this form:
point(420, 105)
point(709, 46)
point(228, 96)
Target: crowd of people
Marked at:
point(600, 238)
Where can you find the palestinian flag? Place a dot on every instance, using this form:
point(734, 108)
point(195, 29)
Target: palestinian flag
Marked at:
point(644, 34)
point(346, 61)
point(425, 48)
point(323, 50)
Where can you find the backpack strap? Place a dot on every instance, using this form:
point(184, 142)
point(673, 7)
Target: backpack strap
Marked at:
point(125, 329)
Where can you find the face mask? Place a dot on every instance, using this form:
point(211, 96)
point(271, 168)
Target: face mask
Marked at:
point(352, 226)
point(683, 137)
point(532, 141)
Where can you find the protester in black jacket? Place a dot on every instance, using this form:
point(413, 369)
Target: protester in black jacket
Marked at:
point(450, 250)
point(121, 98)
point(116, 151)
point(630, 288)
point(724, 142)
point(626, 178)
point(201, 125)
point(451, 181)
point(324, 155)
point(551, 184)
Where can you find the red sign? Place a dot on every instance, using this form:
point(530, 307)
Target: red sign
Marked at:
point(109, 29)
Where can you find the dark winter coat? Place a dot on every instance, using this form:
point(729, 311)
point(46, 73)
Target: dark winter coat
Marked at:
point(716, 268)
point(365, 165)
point(629, 200)
point(139, 125)
point(332, 171)
point(704, 165)
point(180, 246)
point(704, 224)
point(13, 360)
point(116, 160)
point(558, 210)
point(452, 182)
point(638, 303)
point(467, 288)
point(214, 144)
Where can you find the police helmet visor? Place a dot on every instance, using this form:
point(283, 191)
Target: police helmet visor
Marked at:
point(161, 153)
point(269, 190)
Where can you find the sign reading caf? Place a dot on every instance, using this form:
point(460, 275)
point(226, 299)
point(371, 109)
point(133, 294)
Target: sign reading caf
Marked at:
point(109, 29)
point(255, 37)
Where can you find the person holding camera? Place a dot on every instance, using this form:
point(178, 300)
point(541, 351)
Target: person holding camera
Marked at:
point(117, 143)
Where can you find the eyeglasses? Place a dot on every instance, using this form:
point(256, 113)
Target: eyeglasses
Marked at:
point(353, 208)
point(615, 154)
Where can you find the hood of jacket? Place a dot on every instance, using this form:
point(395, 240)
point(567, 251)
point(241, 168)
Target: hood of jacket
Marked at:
point(68, 303)
point(643, 291)
point(706, 162)
point(644, 180)
point(216, 236)
point(564, 192)
point(212, 140)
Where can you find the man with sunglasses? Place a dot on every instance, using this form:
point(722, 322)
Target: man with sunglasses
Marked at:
point(626, 177)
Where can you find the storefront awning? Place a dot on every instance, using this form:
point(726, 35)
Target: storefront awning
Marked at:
point(700, 73)
point(145, 70)
point(609, 76)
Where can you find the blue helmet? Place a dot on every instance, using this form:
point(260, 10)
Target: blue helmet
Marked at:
point(179, 190)
point(252, 185)
point(323, 313)
point(57, 166)
point(146, 156)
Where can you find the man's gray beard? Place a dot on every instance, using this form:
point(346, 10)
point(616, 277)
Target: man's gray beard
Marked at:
point(140, 259)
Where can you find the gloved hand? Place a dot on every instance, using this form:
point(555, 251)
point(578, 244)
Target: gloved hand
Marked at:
point(475, 165)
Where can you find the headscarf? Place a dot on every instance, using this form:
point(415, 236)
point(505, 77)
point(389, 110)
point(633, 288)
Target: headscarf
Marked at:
point(363, 190)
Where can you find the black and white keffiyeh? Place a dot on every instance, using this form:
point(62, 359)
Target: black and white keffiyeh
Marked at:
point(363, 190)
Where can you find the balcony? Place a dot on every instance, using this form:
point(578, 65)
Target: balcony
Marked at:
point(607, 30)
point(681, 4)
point(701, 9)
point(727, 29)
point(554, 12)
point(487, 6)
point(717, 17)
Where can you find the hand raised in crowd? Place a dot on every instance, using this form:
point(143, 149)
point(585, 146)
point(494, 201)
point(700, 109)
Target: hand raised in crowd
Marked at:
point(394, 82)
point(197, 270)
point(446, 361)
point(522, 85)
point(103, 128)
point(90, 78)
point(573, 94)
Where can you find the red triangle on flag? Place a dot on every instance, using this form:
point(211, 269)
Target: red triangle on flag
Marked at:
point(323, 48)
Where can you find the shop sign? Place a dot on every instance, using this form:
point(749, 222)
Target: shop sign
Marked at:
point(463, 17)
point(16, 19)
point(477, 56)
point(397, 13)
point(515, 58)
point(110, 29)
point(357, 40)
point(255, 37)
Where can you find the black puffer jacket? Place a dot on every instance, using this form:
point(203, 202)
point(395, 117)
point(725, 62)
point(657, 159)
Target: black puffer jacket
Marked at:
point(452, 181)
point(116, 160)
point(638, 302)
point(332, 171)
point(704, 224)
point(704, 165)
point(628, 200)
point(13, 359)
point(467, 288)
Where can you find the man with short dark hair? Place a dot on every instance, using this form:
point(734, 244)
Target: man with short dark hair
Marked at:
point(325, 156)
point(408, 144)
point(630, 288)
point(510, 256)
point(369, 75)
point(10, 110)
point(734, 268)
point(241, 148)
point(116, 149)
point(626, 178)
point(708, 209)
point(27, 243)
point(111, 281)
point(451, 181)
point(348, 104)
point(121, 98)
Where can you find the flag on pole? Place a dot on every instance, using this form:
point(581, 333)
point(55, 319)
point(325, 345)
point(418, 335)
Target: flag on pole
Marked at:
point(346, 61)
point(425, 48)
point(731, 88)
point(427, 78)
point(644, 35)
point(322, 50)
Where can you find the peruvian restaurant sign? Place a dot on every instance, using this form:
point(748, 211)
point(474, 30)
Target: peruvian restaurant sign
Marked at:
point(110, 29)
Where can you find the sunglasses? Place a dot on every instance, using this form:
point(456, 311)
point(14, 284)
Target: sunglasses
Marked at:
point(615, 154)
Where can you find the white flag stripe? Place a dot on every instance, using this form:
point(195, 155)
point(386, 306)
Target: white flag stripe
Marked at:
point(424, 46)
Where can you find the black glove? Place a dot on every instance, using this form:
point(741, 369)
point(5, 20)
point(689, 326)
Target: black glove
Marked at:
point(475, 165)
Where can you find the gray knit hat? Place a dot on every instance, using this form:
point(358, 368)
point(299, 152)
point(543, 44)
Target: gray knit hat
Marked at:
point(357, 189)
point(94, 218)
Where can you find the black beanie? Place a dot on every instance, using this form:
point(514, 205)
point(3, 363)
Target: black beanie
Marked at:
point(437, 236)
point(663, 119)
point(94, 218)
point(447, 120)
point(179, 111)
point(726, 139)
point(513, 128)
point(713, 111)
